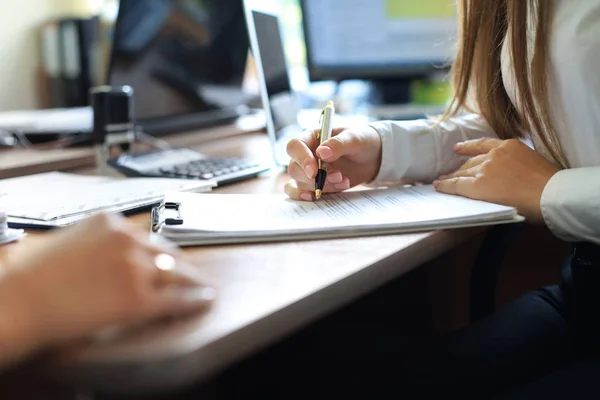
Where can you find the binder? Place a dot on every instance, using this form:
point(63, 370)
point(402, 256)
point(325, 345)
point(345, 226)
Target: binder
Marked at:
point(52, 64)
point(76, 41)
point(89, 38)
point(71, 63)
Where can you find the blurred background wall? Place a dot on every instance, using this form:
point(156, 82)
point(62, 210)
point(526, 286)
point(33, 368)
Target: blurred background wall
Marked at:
point(19, 45)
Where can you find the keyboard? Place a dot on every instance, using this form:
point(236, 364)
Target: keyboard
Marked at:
point(184, 163)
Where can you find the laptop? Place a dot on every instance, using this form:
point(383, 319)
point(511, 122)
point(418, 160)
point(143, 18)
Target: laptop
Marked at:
point(186, 61)
point(278, 99)
point(284, 118)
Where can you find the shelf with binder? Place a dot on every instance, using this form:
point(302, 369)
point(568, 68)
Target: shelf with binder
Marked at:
point(69, 48)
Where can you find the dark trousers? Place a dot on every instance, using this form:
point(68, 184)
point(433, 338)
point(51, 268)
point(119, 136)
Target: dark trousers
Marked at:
point(543, 345)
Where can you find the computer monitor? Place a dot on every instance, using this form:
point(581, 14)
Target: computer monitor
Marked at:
point(185, 60)
point(387, 41)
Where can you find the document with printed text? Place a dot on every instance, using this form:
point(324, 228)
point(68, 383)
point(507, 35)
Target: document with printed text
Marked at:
point(225, 218)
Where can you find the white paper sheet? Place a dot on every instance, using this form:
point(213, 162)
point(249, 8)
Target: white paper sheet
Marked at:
point(55, 195)
point(251, 216)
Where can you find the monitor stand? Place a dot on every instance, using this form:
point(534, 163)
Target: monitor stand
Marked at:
point(391, 91)
point(391, 99)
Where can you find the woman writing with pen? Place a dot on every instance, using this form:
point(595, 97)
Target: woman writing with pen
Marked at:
point(525, 69)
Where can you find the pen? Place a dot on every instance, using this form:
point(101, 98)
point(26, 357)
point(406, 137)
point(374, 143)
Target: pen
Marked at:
point(324, 135)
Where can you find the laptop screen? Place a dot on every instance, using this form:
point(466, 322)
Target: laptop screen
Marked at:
point(180, 56)
point(273, 65)
point(271, 53)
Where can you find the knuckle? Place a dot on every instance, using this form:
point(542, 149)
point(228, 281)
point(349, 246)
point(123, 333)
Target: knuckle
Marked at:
point(306, 161)
point(293, 168)
point(497, 152)
point(290, 190)
point(348, 139)
point(292, 145)
point(103, 219)
point(120, 238)
point(129, 266)
point(337, 140)
point(132, 279)
point(354, 138)
point(106, 223)
point(485, 166)
point(511, 143)
point(479, 182)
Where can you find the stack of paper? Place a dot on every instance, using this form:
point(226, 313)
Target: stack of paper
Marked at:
point(214, 218)
point(58, 199)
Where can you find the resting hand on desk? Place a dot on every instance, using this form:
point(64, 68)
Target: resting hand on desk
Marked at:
point(354, 157)
point(495, 169)
point(95, 275)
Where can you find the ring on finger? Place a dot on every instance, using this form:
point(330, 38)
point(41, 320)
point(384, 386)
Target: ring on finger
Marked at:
point(166, 266)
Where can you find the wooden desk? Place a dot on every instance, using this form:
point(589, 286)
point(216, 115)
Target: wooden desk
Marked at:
point(18, 162)
point(266, 291)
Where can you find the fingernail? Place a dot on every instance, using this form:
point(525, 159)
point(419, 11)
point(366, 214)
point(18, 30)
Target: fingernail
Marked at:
point(342, 186)
point(336, 177)
point(459, 144)
point(306, 196)
point(436, 184)
point(325, 152)
point(310, 172)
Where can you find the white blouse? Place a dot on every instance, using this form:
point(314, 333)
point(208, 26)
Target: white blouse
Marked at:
point(421, 150)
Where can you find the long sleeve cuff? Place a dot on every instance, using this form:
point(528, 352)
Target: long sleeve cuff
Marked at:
point(571, 204)
point(406, 151)
point(421, 150)
point(388, 172)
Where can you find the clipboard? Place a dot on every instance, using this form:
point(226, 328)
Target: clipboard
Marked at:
point(158, 220)
point(189, 219)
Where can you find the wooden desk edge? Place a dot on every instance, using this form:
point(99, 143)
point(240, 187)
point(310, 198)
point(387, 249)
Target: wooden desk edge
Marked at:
point(201, 362)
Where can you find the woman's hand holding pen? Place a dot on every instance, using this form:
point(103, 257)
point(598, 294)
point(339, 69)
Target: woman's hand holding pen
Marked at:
point(353, 155)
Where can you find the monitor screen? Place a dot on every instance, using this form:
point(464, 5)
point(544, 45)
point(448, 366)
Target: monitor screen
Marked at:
point(366, 39)
point(180, 56)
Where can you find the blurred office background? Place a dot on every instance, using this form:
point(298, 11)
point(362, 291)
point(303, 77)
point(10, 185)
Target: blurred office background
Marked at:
point(24, 81)
point(20, 23)
point(21, 41)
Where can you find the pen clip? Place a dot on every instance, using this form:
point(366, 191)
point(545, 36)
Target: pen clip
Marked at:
point(321, 118)
point(319, 133)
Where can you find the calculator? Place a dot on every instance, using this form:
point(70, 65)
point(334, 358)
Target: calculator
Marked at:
point(184, 163)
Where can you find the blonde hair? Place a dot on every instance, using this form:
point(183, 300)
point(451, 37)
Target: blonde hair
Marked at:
point(477, 73)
